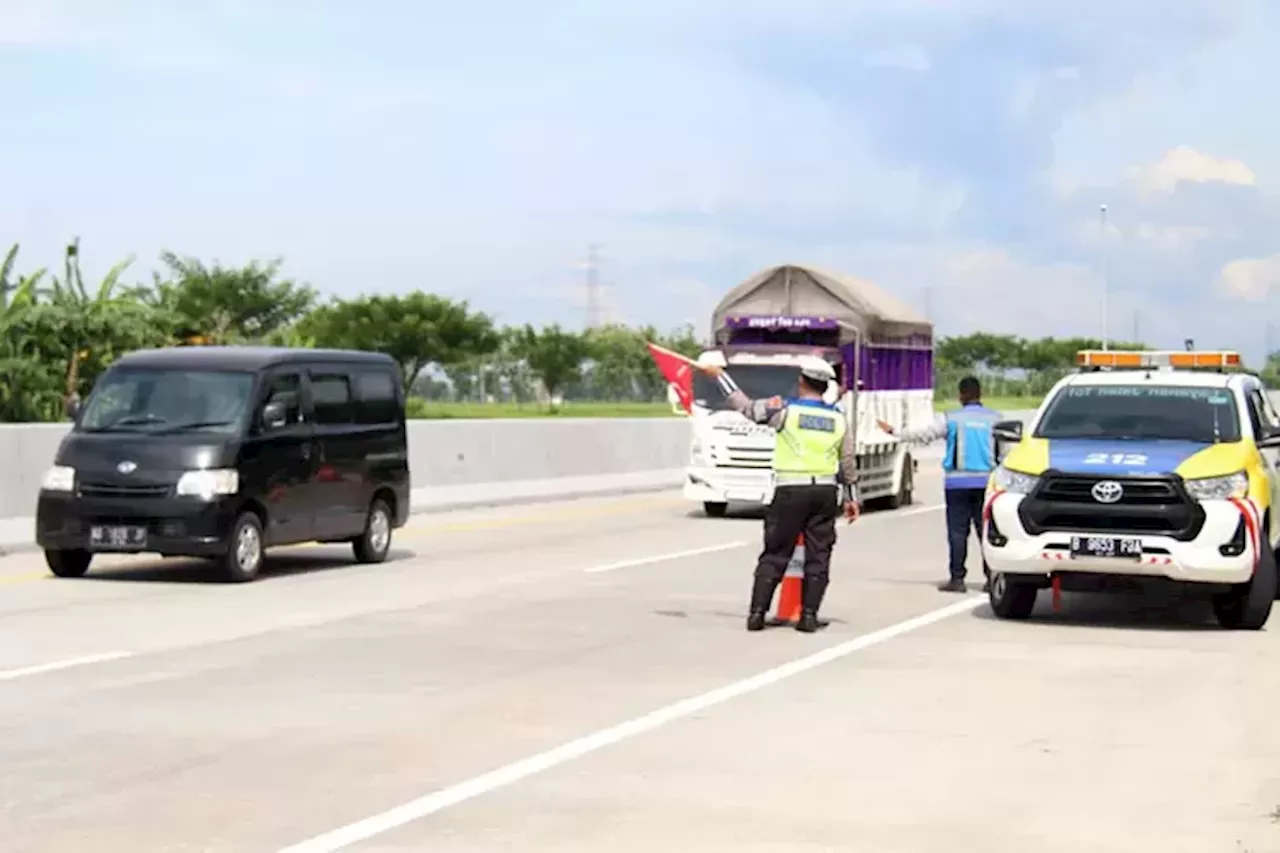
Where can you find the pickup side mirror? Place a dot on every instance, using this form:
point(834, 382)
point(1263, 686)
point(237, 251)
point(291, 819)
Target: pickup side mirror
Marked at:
point(1008, 430)
point(274, 415)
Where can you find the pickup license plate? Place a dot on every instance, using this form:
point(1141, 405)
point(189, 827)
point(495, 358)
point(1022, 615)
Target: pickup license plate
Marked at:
point(1106, 546)
point(111, 537)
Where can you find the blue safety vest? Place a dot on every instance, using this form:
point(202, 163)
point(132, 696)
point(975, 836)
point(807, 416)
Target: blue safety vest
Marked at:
point(970, 454)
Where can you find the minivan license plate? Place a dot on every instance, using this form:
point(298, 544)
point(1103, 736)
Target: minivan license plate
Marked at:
point(1106, 546)
point(117, 536)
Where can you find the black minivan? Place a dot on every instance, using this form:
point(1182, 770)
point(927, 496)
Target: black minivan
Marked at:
point(221, 452)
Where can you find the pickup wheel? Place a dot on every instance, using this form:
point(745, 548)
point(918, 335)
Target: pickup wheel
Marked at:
point(1248, 606)
point(906, 489)
point(715, 509)
point(1012, 597)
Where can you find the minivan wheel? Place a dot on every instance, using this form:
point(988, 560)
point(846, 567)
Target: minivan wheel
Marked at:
point(372, 545)
point(243, 559)
point(68, 564)
point(1248, 606)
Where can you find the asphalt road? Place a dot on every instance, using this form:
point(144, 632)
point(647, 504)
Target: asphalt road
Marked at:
point(575, 677)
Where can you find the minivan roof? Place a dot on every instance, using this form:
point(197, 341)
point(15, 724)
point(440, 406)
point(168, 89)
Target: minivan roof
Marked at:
point(245, 358)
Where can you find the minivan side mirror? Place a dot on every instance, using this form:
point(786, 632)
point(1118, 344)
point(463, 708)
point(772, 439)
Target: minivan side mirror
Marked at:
point(1008, 430)
point(275, 415)
point(73, 409)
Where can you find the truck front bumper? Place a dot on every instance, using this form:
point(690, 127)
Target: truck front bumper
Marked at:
point(713, 484)
point(1209, 558)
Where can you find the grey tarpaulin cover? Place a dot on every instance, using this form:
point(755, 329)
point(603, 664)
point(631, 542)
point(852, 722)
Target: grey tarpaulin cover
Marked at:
point(863, 310)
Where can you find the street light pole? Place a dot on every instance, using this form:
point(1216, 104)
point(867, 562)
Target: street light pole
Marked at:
point(1102, 218)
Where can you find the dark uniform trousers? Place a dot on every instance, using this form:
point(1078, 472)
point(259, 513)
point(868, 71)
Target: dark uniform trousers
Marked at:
point(811, 510)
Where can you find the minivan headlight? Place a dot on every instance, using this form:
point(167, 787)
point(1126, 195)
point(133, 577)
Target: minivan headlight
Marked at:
point(59, 478)
point(1218, 488)
point(1014, 482)
point(210, 483)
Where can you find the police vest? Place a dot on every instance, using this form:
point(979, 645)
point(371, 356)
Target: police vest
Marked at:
point(808, 442)
point(970, 455)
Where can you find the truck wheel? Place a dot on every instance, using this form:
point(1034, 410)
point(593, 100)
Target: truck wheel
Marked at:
point(1248, 606)
point(68, 564)
point(906, 490)
point(1012, 598)
point(243, 558)
point(715, 510)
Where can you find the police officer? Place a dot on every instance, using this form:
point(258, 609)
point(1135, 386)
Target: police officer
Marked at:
point(967, 462)
point(815, 471)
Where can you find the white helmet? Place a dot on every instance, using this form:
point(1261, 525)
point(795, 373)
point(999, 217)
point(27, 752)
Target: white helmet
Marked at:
point(815, 368)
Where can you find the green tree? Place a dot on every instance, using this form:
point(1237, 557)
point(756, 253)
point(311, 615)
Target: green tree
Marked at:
point(416, 329)
point(554, 355)
point(230, 304)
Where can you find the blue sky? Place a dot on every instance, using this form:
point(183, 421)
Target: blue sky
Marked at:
point(954, 152)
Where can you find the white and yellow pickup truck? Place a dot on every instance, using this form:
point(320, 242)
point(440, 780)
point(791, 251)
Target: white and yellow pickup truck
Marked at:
point(1140, 466)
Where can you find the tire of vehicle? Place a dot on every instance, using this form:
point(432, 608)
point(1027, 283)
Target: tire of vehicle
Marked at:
point(906, 489)
point(715, 510)
point(1012, 598)
point(1248, 606)
point(243, 559)
point(372, 545)
point(68, 564)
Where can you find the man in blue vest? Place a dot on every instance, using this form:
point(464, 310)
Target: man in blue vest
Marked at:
point(967, 463)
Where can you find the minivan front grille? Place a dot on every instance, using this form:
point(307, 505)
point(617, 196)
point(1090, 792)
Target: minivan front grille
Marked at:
point(116, 490)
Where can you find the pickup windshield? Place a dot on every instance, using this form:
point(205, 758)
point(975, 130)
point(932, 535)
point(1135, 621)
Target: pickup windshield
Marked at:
point(1142, 412)
point(756, 381)
point(167, 401)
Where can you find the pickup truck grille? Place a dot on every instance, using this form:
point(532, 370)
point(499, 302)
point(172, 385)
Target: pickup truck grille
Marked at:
point(1149, 505)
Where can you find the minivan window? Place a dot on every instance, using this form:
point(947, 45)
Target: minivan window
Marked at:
point(285, 388)
point(331, 398)
point(159, 400)
point(376, 397)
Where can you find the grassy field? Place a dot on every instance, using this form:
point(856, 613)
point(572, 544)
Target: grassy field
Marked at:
point(437, 410)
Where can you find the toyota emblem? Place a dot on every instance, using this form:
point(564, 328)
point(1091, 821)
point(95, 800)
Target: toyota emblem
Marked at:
point(1107, 491)
point(127, 467)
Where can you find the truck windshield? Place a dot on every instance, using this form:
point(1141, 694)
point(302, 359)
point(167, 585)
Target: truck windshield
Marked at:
point(167, 401)
point(1142, 412)
point(756, 381)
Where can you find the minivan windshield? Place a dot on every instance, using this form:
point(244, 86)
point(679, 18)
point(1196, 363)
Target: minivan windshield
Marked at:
point(1142, 412)
point(756, 381)
point(158, 401)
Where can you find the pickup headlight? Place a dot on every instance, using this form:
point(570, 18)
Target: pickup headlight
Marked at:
point(1014, 482)
point(696, 453)
point(209, 484)
point(1219, 488)
point(59, 478)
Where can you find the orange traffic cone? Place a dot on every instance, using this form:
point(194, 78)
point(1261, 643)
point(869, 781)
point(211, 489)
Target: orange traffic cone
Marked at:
point(787, 611)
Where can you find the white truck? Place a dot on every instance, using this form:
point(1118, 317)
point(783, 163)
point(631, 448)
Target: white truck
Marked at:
point(882, 352)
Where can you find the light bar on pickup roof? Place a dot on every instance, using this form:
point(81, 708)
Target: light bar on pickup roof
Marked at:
point(1157, 358)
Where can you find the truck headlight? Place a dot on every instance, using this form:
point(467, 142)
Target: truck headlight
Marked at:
point(1218, 488)
point(59, 478)
point(1014, 482)
point(209, 484)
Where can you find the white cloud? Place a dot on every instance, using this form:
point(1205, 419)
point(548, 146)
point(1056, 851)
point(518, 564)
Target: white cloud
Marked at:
point(1251, 279)
point(1184, 164)
point(907, 58)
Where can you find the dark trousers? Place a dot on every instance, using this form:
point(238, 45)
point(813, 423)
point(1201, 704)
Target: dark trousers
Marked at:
point(811, 510)
point(964, 510)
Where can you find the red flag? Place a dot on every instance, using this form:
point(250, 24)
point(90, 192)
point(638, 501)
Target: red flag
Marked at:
point(677, 370)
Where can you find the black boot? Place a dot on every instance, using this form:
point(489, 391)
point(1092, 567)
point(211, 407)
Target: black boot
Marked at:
point(761, 598)
point(755, 621)
point(808, 622)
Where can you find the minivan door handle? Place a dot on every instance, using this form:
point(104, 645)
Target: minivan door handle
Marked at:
point(306, 450)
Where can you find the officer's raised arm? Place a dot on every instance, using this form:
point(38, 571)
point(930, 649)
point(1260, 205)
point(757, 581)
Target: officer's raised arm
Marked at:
point(768, 411)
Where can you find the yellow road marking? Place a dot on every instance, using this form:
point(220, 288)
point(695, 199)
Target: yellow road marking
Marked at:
point(418, 531)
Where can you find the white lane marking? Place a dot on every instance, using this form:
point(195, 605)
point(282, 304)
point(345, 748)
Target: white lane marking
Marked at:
point(729, 546)
point(658, 558)
point(54, 666)
point(437, 801)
